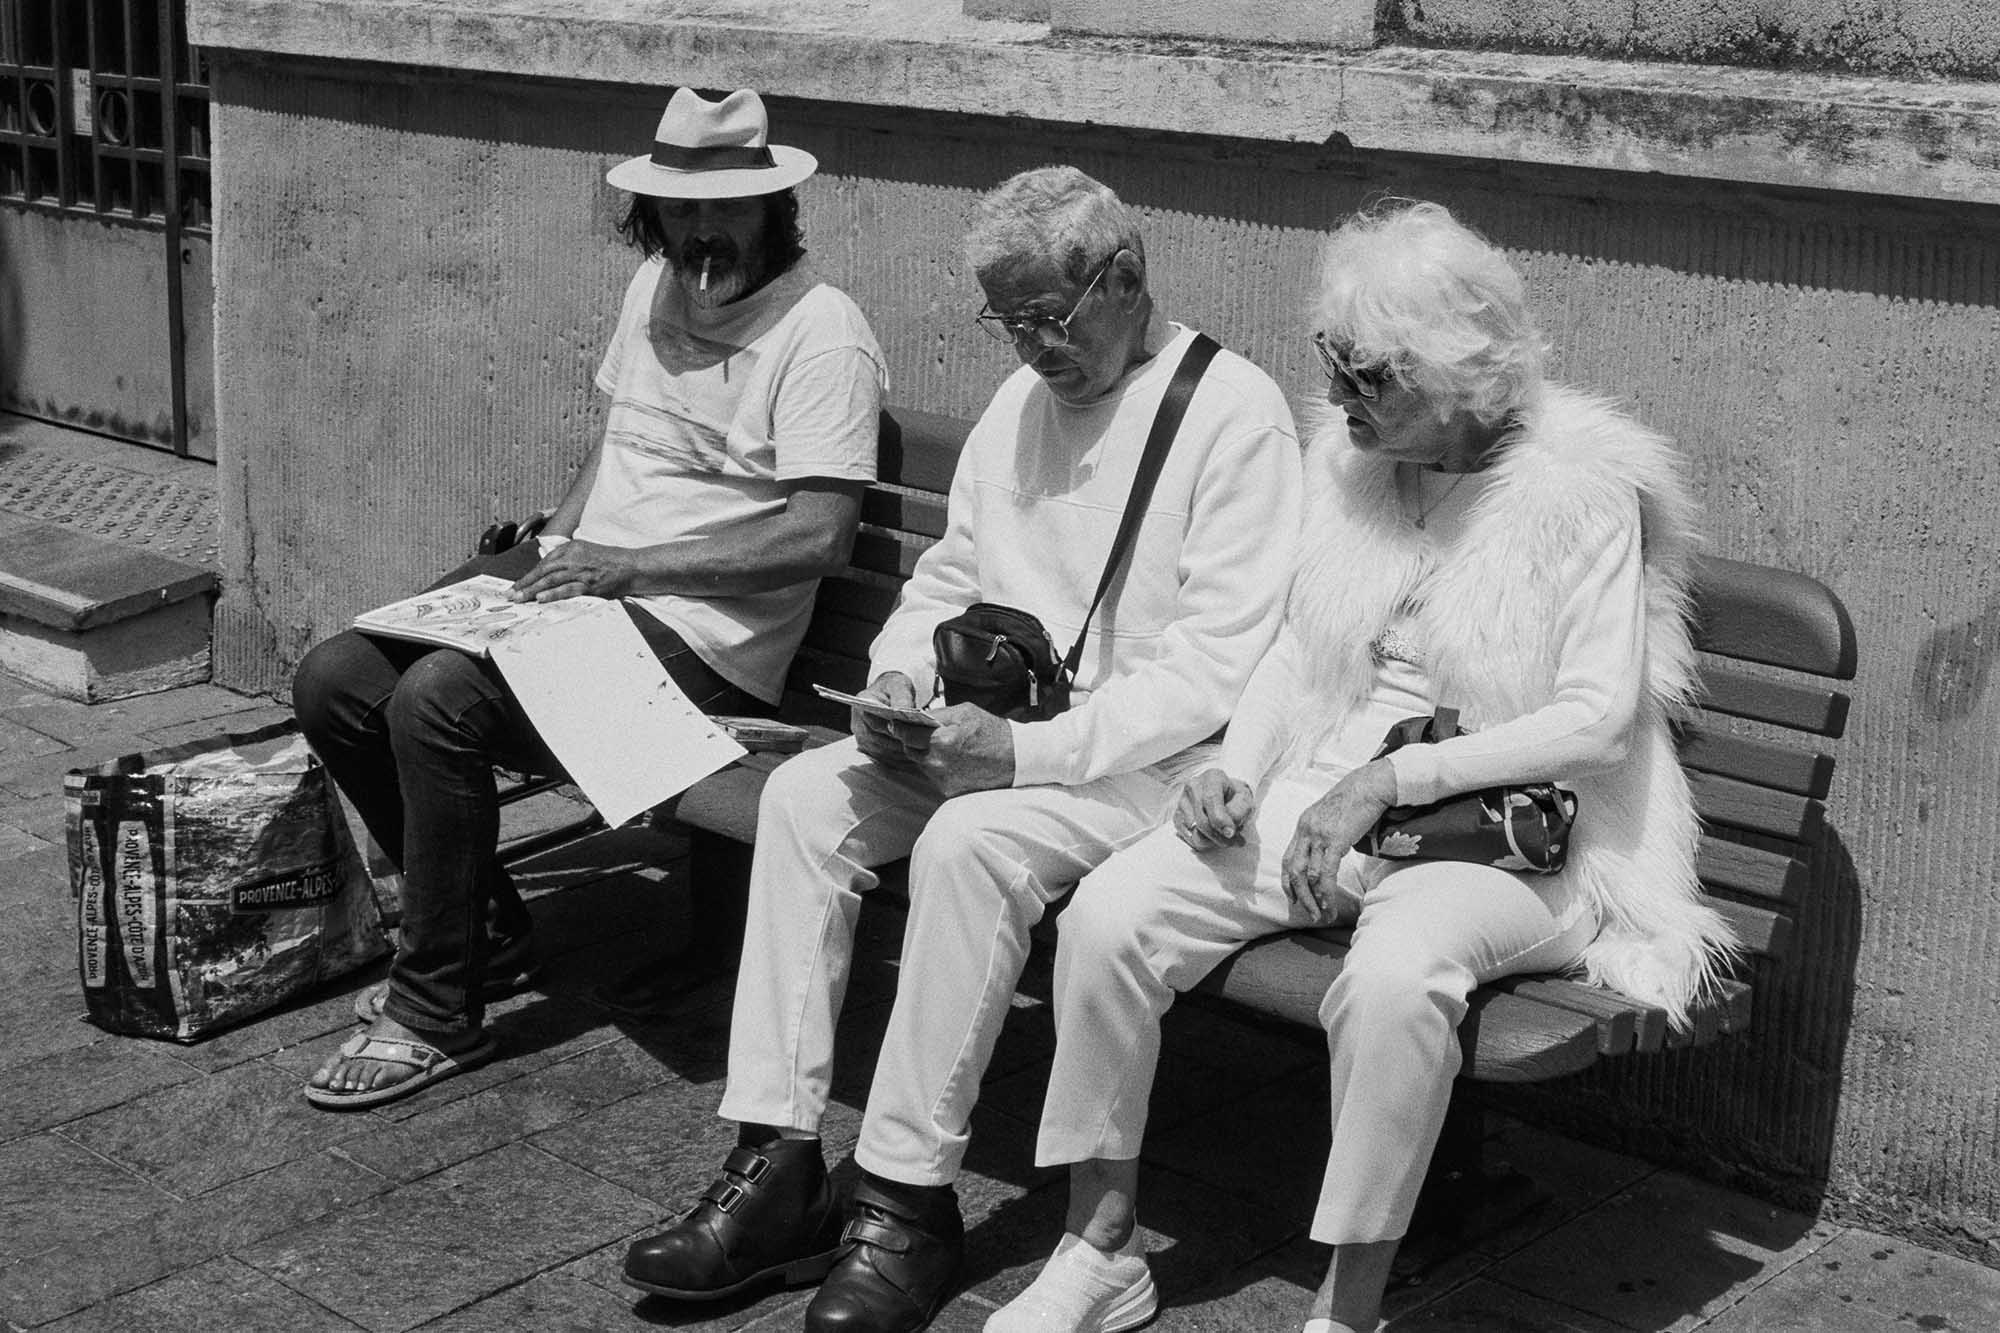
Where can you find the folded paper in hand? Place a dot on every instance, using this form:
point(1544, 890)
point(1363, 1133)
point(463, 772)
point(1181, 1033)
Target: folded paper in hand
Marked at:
point(916, 717)
point(626, 734)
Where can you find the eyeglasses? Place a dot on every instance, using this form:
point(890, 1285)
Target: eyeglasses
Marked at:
point(1043, 331)
point(1366, 384)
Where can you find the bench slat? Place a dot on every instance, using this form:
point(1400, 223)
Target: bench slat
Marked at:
point(1755, 613)
point(920, 514)
point(1505, 1039)
point(1783, 703)
point(802, 707)
point(1759, 930)
point(1786, 768)
point(725, 803)
point(884, 555)
point(1738, 1006)
point(1280, 976)
point(841, 636)
point(1618, 1018)
point(811, 666)
point(920, 449)
point(1740, 805)
point(854, 599)
point(1771, 876)
point(1508, 1039)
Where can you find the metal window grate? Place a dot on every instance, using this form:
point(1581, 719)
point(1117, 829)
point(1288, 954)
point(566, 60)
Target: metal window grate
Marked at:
point(104, 112)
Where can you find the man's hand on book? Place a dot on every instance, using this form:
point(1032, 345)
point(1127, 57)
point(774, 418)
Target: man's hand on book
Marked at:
point(577, 569)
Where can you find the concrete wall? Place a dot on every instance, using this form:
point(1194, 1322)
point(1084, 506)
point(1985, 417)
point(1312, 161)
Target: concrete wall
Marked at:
point(1954, 38)
point(416, 275)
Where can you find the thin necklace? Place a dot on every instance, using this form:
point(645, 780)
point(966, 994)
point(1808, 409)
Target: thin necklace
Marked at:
point(1424, 511)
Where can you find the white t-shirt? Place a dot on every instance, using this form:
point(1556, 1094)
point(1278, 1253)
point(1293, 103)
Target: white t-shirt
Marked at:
point(712, 412)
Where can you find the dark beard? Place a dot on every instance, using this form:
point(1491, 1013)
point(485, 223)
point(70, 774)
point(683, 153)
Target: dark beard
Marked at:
point(731, 274)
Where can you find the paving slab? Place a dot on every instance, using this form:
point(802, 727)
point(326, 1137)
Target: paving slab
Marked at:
point(58, 1192)
point(75, 723)
point(17, 842)
point(1489, 1307)
point(1664, 1254)
point(55, 1089)
point(18, 741)
point(551, 1096)
point(603, 1268)
point(1861, 1281)
point(552, 1301)
point(35, 773)
point(200, 1135)
point(41, 999)
point(450, 1239)
point(220, 1296)
point(1256, 1298)
point(141, 1250)
point(664, 1144)
point(262, 714)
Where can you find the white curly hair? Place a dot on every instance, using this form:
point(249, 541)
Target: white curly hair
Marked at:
point(1407, 287)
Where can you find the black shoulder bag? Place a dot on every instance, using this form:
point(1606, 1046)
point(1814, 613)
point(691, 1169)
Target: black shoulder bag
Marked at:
point(1003, 658)
point(1525, 827)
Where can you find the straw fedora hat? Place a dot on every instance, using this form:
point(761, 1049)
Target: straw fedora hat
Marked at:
point(713, 150)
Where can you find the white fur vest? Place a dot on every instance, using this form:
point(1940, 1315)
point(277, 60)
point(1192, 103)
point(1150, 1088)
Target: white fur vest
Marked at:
point(1487, 607)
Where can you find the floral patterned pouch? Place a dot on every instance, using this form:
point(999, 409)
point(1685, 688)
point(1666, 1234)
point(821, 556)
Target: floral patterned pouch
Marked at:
point(1523, 828)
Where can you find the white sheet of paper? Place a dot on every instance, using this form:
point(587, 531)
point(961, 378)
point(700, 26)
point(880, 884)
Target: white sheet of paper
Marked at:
point(625, 733)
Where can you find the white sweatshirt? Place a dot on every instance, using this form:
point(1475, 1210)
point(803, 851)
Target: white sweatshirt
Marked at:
point(1034, 505)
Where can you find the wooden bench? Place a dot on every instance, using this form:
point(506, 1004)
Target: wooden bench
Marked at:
point(1773, 644)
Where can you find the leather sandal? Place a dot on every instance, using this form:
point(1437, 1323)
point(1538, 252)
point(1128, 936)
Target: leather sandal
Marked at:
point(899, 1260)
point(770, 1217)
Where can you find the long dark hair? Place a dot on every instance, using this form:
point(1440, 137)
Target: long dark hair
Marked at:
point(784, 243)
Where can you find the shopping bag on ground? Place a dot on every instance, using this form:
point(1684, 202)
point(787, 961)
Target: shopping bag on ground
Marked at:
point(213, 881)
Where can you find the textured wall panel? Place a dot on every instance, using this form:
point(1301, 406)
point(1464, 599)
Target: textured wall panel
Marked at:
point(416, 277)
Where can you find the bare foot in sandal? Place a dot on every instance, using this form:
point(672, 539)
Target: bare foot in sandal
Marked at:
point(389, 1061)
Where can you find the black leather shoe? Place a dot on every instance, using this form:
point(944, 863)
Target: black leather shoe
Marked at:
point(898, 1261)
point(770, 1217)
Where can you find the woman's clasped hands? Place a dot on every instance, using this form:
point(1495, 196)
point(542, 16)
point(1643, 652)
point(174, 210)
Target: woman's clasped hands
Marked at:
point(1214, 808)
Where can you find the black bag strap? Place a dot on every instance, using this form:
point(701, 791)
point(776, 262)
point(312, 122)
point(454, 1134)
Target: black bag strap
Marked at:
point(1166, 425)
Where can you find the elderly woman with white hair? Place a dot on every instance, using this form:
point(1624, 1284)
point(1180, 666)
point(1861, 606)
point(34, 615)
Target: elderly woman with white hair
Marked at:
point(1476, 537)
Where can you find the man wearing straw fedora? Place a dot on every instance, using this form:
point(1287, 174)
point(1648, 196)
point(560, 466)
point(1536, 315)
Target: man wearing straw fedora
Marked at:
point(740, 435)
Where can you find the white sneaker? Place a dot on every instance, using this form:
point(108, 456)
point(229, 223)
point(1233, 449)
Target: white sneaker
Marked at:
point(1081, 1289)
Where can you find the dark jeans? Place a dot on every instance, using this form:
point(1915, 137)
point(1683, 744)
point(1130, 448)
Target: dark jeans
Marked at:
point(412, 733)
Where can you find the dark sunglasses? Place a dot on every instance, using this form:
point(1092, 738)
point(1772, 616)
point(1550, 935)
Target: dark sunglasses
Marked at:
point(1354, 383)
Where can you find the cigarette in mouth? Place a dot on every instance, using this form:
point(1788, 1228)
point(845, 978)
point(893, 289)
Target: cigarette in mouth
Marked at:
point(705, 262)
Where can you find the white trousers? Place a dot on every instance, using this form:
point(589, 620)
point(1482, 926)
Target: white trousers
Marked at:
point(1155, 919)
point(983, 867)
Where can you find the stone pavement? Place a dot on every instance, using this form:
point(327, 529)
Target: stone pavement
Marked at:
point(149, 1185)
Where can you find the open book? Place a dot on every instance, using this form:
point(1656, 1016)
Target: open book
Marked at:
point(471, 615)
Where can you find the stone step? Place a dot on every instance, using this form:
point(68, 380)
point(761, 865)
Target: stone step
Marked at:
point(91, 620)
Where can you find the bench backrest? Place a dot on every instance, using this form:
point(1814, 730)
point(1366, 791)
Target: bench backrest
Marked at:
point(1773, 645)
point(902, 513)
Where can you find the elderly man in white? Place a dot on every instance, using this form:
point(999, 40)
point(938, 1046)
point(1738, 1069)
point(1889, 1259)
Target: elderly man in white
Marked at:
point(998, 817)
